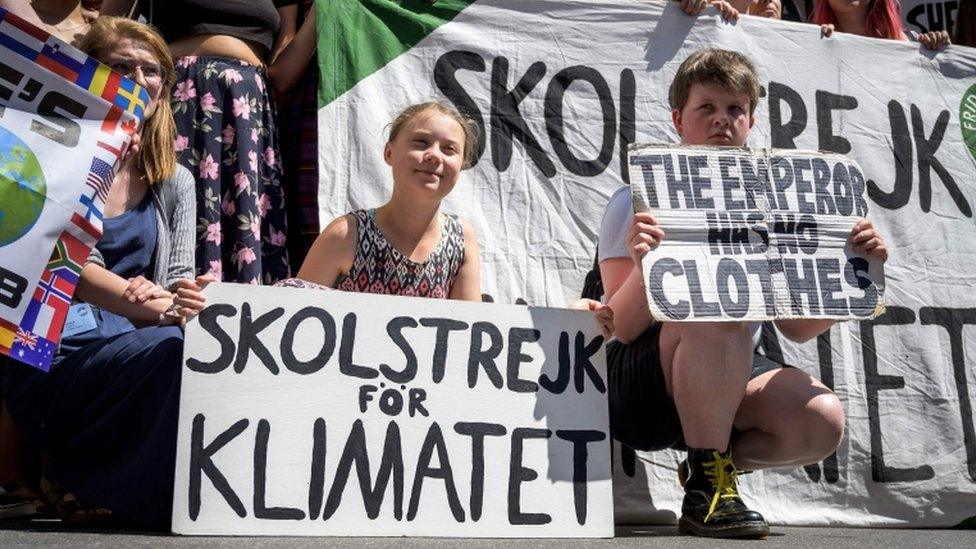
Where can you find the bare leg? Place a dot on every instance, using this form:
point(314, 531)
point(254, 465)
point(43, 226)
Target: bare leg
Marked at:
point(706, 367)
point(787, 418)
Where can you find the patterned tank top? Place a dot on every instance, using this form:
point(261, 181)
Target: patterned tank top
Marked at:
point(379, 268)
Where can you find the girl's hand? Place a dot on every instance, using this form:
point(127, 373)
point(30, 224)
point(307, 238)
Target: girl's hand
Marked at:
point(729, 13)
point(935, 40)
point(141, 290)
point(644, 236)
point(693, 7)
point(826, 30)
point(602, 313)
point(189, 299)
point(865, 239)
point(133, 151)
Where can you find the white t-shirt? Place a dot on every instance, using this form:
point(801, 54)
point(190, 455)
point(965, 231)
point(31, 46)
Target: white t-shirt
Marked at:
point(613, 238)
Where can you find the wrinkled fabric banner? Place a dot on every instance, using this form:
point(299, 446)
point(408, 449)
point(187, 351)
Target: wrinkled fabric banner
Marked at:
point(561, 89)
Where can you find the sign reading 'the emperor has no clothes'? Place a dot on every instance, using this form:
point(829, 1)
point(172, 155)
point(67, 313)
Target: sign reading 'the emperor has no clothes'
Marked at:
point(754, 234)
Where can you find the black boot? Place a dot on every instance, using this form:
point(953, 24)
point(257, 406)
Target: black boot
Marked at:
point(712, 507)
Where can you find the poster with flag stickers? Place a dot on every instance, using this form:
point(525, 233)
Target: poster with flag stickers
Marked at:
point(65, 122)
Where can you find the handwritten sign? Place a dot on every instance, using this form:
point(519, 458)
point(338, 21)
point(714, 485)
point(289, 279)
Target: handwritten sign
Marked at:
point(310, 412)
point(754, 234)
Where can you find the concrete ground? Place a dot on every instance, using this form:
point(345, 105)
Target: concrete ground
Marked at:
point(46, 533)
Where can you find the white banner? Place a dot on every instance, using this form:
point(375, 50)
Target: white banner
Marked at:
point(306, 412)
point(561, 88)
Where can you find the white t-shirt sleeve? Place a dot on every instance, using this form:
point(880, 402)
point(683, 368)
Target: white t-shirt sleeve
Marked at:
point(616, 225)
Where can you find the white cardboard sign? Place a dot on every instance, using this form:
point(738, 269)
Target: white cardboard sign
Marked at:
point(754, 234)
point(307, 412)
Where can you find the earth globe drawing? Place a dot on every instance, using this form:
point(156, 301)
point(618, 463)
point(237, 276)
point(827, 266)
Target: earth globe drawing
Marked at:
point(23, 189)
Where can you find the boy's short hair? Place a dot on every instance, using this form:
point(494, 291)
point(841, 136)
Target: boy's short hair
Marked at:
point(729, 70)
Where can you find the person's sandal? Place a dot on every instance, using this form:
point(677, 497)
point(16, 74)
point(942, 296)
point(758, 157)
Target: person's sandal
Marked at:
point(19, 499)
point(69, 509)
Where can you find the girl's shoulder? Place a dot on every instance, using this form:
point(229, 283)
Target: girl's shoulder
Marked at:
point(176, 193)
point(462, 226)
point(342, 228)
point(332, 253)
point(181, 181)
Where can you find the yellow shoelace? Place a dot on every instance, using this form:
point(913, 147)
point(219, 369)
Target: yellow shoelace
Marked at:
point(721, 472)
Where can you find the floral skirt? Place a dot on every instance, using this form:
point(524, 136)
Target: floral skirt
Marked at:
point(226, 136)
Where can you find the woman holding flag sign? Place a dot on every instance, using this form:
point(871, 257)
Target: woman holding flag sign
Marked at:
point(106, 412)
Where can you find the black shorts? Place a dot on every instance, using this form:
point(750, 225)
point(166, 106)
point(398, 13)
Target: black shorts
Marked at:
point(642, 414)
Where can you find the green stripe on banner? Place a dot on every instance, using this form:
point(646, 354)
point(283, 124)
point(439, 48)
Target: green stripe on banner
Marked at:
point(359, 37)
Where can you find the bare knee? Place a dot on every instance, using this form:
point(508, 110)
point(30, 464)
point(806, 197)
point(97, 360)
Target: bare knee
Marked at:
point(825, 425)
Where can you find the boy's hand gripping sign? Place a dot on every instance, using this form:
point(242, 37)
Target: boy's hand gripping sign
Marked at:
point(754, 234)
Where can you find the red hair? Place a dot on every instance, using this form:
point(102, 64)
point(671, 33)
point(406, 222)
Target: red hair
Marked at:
point(883, 18)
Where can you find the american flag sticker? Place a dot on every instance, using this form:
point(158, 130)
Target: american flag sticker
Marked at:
point(100, 178)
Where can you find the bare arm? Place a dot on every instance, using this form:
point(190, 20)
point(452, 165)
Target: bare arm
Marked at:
point(622, 288)
point(292, 50)
point(24, 10)
point(625, 296)
point(103, 288)
point(467, 284)
point(332, 253)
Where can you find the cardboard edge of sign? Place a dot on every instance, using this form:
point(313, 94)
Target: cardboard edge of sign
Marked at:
point(879, 310)
point(207, 291)
point(609, 534)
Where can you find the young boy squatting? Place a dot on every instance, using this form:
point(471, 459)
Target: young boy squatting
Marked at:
point(701, 386)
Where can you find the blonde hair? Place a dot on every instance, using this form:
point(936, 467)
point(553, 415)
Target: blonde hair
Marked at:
point(468, 126)
point(729, 70)
point(157, 156)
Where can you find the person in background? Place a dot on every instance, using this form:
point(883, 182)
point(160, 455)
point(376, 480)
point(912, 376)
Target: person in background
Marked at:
point(730, 10)
point(298, 116)
point(229, 60)
point(872, 18)
point(965, 32)
point(772, 9)
point(65, 19)
point(106, 412)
